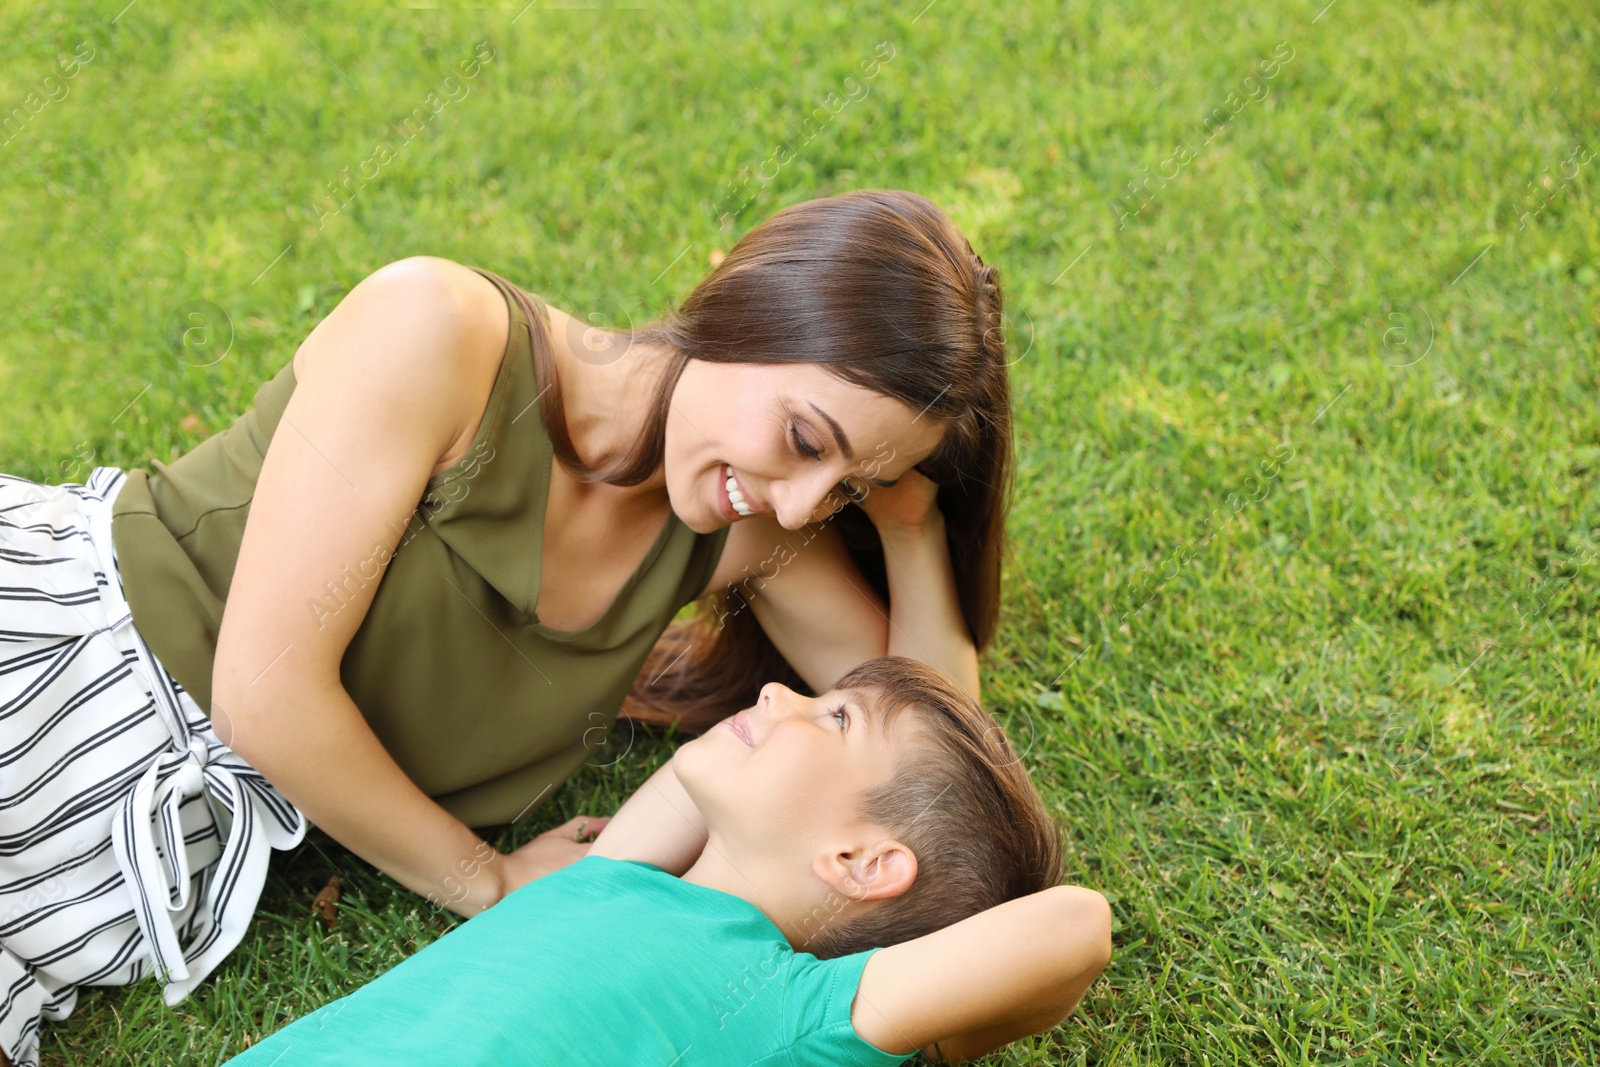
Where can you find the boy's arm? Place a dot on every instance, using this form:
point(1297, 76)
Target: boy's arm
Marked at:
point(659, 825)
point(981, 983)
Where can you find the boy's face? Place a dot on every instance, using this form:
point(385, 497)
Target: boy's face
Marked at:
point(791, 770)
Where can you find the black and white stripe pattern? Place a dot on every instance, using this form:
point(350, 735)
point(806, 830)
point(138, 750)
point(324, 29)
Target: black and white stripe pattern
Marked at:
point(132, 841)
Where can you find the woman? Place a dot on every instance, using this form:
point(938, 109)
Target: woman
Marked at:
point(407, 592)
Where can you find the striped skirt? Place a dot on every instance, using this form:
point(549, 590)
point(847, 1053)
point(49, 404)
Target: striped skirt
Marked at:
point(132, 841)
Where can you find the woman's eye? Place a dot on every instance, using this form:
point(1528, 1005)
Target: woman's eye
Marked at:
point(803, 446)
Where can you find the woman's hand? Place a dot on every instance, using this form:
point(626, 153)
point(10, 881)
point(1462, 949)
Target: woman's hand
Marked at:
point(550, 851)
point(907, 504)
point(926, 621)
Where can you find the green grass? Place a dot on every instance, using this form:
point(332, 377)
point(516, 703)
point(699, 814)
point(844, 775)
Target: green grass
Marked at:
point(1333, 757)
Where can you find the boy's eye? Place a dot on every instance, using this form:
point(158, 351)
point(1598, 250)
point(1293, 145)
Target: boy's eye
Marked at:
point(842, 717)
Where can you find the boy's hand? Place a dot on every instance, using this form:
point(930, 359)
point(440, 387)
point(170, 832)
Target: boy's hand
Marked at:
point(550, 851)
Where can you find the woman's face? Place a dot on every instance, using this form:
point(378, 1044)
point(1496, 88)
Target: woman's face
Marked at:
point(789, 433)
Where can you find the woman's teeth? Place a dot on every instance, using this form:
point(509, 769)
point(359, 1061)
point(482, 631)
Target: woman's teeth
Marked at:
point(734, 496)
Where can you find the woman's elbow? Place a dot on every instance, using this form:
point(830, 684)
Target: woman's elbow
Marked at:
point(248, 714)
point(236, 722)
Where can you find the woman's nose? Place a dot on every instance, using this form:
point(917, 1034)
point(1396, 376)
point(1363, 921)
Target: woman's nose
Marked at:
point(793, 510)
point(806, 501)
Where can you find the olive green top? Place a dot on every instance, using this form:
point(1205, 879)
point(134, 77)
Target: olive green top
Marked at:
point(485, 708)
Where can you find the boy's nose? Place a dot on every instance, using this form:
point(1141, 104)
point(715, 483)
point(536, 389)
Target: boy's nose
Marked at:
point(778, 700)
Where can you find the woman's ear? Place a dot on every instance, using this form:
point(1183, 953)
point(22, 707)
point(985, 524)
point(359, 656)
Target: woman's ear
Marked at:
point(874, 872)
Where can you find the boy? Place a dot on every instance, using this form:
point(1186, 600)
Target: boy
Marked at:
point(734, 909)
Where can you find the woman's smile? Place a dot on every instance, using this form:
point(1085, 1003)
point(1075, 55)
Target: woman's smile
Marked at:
point(732, 500)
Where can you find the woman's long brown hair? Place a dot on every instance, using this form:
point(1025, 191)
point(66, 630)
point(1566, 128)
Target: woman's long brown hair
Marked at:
point(881, 288)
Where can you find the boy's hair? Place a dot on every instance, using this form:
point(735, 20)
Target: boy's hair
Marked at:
point(960, 800)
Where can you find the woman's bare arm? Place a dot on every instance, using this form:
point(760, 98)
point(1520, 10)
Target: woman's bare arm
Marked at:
point(925, 617)
point(819, 611)
point(808, 595)
point(386, 384)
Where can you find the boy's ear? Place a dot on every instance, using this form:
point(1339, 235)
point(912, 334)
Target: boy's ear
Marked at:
point(868, 872)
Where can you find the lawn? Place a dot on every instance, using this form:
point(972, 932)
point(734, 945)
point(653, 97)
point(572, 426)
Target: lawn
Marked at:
point(1300, 623)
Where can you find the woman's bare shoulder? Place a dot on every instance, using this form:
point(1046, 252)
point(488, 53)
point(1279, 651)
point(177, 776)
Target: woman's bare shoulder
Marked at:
point(426, 290)
point(460, 309)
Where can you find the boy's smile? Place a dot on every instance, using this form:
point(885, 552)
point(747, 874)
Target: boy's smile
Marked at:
point(740, 725)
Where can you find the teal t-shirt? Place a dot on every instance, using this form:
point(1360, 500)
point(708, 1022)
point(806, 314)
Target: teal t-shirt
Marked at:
point(612, 962)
